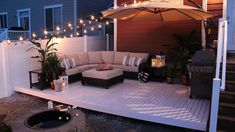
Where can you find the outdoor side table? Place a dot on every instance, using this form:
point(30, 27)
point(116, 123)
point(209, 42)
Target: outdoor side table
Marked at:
point(158, 73)
point(41, 79)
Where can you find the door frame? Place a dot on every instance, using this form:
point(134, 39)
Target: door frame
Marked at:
point(18, 17)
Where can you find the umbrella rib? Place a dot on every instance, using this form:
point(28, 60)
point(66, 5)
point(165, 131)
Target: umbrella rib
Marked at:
point(136, 15)
point(160, 14)
point(185, 14)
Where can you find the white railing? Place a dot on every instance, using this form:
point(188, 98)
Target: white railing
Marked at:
point(14, 34)
point(220, 79)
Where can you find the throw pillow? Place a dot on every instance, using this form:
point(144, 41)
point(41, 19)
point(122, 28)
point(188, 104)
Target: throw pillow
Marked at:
point(132, 61)
point(66, 63)
point(138, 61)
point(72, 62)
point(125, 60)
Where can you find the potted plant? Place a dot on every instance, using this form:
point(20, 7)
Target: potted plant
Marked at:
point(46, 56)
point(188, 45)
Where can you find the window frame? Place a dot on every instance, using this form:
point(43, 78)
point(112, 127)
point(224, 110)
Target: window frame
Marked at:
point(18, 17)
point(5, 13)
point(52, 7)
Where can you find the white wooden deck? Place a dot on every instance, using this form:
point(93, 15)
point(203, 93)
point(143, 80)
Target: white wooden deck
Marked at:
point(152, 101)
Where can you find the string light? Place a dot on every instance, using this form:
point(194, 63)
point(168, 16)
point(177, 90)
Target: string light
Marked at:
point(84, 24)
point(77, 33)
point(81, 21)
point(92, 29)
point(45, 32)
point(100, 26)
point(96, 20)
point(107, 23)
point(21, 38)
point(78, 26)
point(65, 30)
point(8, 41)
point(89, 22)
point(85, 31)
point(92, 17)
point(57, 28)
point(34, 35)
point(71, 35)
point(125, 5)
point(70, 25)
point(135, 1)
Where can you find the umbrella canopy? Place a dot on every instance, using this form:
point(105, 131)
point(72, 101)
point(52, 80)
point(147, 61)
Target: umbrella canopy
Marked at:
point(156, 10)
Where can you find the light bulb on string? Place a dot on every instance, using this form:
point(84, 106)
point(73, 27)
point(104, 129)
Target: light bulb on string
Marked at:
point(85, 31)
point(45, 32)
point(71, 35)
point(92, 17)
point(8, 41)
point(78, 26)
point(57, 28)
point(77, 34)
point(100, 26)
point(92, 29)
point(21, 38)
point(96, 20)
point(135, 1)
point(90, 22)
point(34, 35)
point(65, 30)
point(84, 24)
point(81, 21)
point(107, 22)
point(70, 25)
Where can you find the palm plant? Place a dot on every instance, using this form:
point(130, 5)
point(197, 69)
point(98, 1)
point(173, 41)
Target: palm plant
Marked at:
point(44, 53)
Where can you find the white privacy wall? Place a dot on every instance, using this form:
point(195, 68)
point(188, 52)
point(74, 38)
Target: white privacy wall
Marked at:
point(15, 61)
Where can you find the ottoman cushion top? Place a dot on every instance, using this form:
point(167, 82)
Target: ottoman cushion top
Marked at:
point(105, 75)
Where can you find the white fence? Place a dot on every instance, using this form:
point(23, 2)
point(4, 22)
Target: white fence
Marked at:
point(15, 61)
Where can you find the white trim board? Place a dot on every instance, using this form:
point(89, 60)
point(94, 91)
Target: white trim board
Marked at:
point(154, 102)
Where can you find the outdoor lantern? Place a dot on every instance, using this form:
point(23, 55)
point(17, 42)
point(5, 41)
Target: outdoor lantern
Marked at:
point(159, 61)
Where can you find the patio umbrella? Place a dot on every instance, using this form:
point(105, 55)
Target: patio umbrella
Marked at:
point(156, 10)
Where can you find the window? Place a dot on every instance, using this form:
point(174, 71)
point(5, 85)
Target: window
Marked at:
point(3, 20)
point(24, 18)
point(53, 17)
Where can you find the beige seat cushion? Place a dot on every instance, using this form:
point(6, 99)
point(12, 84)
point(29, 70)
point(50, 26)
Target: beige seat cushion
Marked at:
point(127, 68)
point(83, 58)
point(94, 57)
point(105, 75)
point(118, 57)
point(79, 69)
point(108, 56)
point(144, 56)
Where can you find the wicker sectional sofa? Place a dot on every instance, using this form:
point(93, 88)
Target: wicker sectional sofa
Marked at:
point(89, 60)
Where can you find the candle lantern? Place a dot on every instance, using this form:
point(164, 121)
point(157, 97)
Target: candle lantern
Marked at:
point(159, 61)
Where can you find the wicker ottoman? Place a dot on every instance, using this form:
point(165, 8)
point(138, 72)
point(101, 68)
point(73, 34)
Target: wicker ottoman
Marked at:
point(102, 78)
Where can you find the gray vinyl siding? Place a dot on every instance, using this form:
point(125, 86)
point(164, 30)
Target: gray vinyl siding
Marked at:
point(37, 11)
point(84, 8)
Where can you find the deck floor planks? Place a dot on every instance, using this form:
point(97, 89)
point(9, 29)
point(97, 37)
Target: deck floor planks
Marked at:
point(154, 102)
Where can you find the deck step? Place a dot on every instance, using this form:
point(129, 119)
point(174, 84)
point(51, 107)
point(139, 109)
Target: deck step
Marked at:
point(227, 105)
point(226, 123)
point(226, 112)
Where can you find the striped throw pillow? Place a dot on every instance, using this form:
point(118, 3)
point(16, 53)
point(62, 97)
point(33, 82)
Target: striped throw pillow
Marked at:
point(66, 63)
point(125, 60)
point(138, 61)
point(132, 61)
point(72, 62)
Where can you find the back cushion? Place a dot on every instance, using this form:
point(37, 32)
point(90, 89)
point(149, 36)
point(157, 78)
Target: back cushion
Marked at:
point(108, 56)
point(144, 56)
point(118, 57)
point(74, 56)
point(83, 58)
point(94, 57)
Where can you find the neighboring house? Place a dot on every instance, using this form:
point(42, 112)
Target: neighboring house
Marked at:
point(38, 15)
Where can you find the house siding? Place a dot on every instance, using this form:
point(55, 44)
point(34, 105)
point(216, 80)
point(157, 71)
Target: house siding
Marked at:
point(37, 11)
point(153, 37)
point(84, 8)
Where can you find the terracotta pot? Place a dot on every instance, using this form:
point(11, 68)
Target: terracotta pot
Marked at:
point(169, 80)
point(184, 80)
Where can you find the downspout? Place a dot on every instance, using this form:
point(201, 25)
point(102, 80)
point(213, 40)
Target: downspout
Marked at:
point(115, 28)
point(75, 13)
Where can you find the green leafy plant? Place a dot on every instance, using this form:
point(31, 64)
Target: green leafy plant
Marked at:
point(54, 65)
point(187, 46)
point(43, 53)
